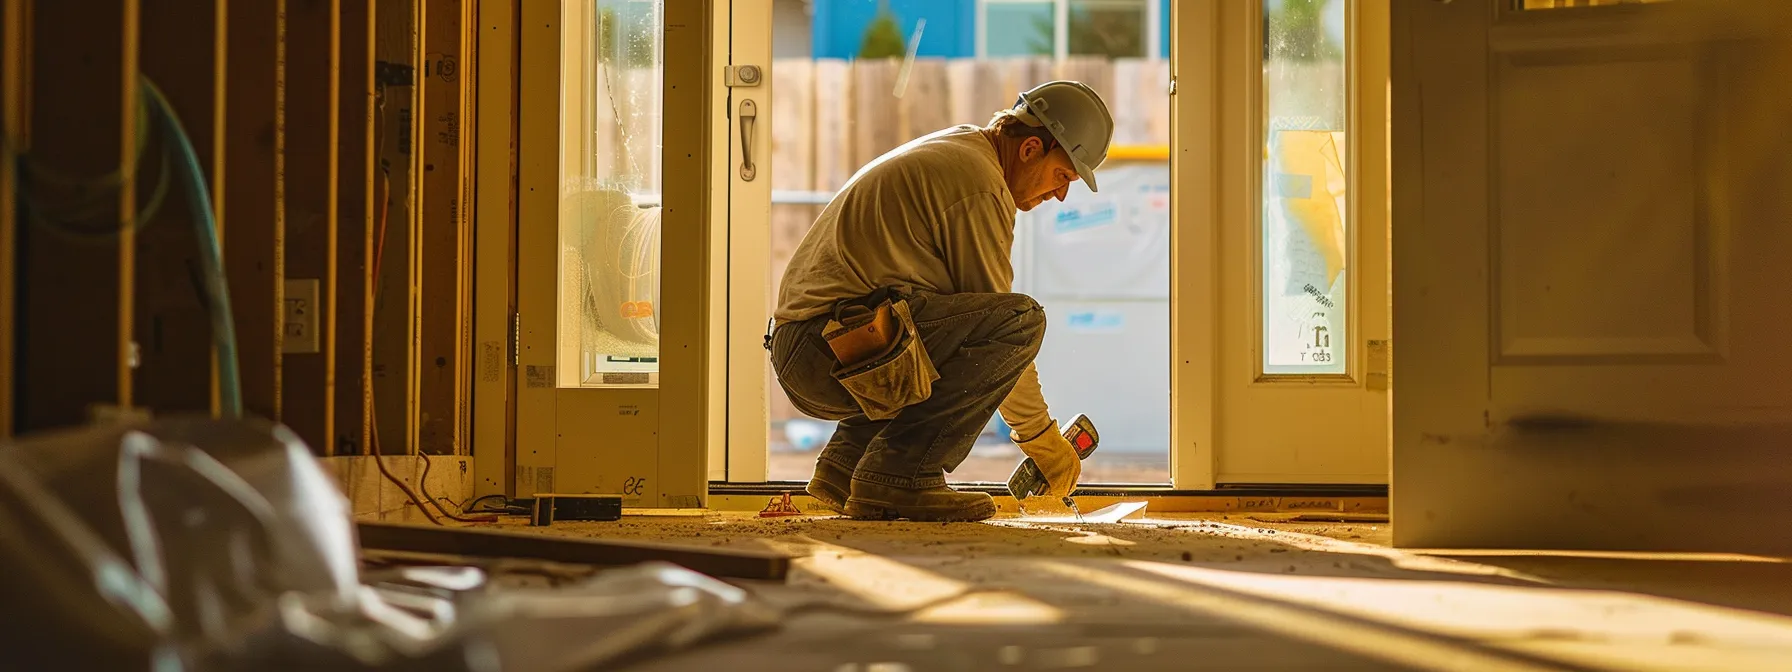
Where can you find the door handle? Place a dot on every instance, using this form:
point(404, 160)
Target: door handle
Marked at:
point(749, 115)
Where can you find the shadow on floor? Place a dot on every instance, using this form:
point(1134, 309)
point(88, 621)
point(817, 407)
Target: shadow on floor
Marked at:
point(895, 597)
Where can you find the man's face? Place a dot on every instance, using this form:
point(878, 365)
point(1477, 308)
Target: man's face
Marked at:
point(1039, 175)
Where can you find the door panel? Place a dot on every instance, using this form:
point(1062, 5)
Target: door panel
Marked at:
point(1592, 336)
point(613, 356)
point(1303, 273)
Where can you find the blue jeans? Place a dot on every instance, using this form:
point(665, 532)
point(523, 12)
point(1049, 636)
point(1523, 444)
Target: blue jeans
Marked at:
point(979, 343)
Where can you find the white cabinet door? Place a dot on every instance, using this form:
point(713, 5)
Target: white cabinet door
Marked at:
point(1591, 235)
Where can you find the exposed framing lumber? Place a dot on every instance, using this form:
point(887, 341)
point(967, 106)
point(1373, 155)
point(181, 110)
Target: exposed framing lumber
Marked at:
point(127, 199)
point(352, 293)
point(181, 56)
point(438, 225)
point(67, 292)
point(307, 378)
point(250, 205)
point(15, 45)
point(483, 543)
point(393, 304)
point(333, 212)
point(468, 38)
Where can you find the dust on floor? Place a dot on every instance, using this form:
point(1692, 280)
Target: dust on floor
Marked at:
point(1220, 591)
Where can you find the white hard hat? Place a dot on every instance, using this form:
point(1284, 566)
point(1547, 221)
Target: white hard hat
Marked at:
point(1077, 118)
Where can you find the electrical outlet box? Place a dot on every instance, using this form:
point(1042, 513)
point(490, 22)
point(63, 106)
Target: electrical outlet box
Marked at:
point(301, 324)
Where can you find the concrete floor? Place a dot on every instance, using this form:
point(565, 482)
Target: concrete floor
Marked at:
point(1239, 591)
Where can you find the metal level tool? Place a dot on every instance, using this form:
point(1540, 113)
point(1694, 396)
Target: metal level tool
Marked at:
point(1027, 480)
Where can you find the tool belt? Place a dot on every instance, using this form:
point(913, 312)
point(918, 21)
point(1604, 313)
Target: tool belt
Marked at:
point(880, 358)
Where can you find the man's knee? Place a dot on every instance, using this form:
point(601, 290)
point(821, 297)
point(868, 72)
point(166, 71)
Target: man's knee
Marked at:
point(1028, 321)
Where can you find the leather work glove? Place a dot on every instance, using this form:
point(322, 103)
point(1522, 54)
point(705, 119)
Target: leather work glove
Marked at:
point(1056, 459)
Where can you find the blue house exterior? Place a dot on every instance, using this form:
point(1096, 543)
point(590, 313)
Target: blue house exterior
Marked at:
point(838, 26)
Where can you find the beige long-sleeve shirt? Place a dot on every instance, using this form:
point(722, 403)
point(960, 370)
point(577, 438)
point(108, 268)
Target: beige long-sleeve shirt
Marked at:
point(934, 214)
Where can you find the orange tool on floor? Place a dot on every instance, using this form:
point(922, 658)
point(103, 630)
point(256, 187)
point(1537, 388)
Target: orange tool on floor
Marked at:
point(779, 507)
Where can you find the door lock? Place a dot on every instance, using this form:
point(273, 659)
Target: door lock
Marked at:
point(743, 75)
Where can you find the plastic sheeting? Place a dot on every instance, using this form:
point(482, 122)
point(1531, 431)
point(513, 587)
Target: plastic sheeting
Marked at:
point(193, 544)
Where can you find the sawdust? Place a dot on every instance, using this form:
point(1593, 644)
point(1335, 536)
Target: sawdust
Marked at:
point(1158, 593)
point(1251, 542)
point(1004, 534)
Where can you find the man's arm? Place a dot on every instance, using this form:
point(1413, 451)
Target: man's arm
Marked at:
point(978, 242)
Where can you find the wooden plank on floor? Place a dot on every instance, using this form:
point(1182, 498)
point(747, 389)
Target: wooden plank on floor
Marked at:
point(358, 185)
point(439, 233)
point(307, 376)
point(484, 543)
point(67, 291)
point(251, 217)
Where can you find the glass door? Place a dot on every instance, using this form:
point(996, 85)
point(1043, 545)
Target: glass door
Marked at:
point(851, 80)
point(1304, 305)
point(612, 69)
point(611, 314)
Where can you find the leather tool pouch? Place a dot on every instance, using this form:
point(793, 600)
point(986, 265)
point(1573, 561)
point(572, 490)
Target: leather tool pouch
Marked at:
point(881, 360)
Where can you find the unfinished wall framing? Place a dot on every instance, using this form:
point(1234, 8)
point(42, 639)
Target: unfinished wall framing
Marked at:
point(493, 166)
point(15, 31)
point(329, 135)
point(68, 250)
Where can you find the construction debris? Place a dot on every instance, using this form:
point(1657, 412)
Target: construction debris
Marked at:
point(195, 544)
point(1107, 515)
point(488, 543)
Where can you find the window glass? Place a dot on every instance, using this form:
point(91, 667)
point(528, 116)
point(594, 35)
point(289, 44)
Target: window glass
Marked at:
point(1018, 29)
point(1112, 28)
point(1098, 262)
point(1304, 250)
point(610, 76)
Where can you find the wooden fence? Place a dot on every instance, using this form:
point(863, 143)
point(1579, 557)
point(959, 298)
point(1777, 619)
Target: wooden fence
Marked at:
point(831, 116)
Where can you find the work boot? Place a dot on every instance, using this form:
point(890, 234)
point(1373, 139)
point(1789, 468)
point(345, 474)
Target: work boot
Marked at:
point(873, 501)
point(830, 485)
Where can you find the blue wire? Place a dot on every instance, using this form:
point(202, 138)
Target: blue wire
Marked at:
point(199, 201)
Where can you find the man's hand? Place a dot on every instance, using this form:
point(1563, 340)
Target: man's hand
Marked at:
point(1056, 459)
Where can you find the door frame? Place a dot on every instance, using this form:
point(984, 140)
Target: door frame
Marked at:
point(731, 384)
point(494, 253)
point(1195, 221)
point(746, 227)
point(1194, 277)
point(688, 380)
